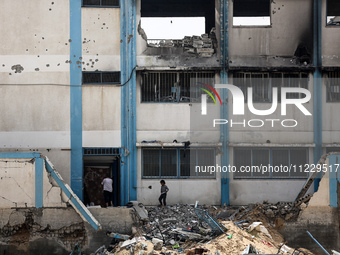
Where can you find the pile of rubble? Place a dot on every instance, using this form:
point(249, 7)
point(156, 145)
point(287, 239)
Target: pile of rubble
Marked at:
point(203, 45)
point(194, 229)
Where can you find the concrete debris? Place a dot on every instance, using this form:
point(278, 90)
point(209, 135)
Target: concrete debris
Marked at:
point(259, 227)
point(179, 229)
point(142, 213)
point(202, 46)
point(157, 243)
point(250, 250)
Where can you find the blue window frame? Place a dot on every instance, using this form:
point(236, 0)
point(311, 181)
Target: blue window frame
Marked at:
point(177, 162)
point(101, 78)
point(100, 3)
point(270, 163)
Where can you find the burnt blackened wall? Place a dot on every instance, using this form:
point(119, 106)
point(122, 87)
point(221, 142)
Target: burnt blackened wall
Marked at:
point(291, 26)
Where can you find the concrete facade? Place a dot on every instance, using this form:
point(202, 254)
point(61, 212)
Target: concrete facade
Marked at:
point(37, 102)
point(35, 212)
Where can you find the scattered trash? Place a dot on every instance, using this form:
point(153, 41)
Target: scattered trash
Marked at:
point(196, 229)
point(250, 250)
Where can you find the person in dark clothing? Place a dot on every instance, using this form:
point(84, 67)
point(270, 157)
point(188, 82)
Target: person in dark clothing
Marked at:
point(164, 191)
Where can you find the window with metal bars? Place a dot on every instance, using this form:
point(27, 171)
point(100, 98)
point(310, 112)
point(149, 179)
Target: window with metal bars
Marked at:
point(174, 86)
point(177, 162)
point(101, 151)
point(262, 84)
point(333, 86)
point(270, 162)
point(101, 77)
point(100, 3)
point(332, 149)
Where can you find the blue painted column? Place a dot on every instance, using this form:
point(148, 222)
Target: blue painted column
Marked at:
point(128, 170)
point(224, 46)
point(76, 98)
point(334, 178)
point(317, 85)
point(39, 186)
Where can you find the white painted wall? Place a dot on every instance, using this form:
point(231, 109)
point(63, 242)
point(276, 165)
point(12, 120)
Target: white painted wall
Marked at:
point(101, 52)
point(36, 117)
point(101, 39)
point(18, 185)
point(181, 191)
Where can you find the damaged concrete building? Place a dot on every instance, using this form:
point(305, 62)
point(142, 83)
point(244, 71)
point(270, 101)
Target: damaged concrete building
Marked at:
point(83, 84)
point(96, 96)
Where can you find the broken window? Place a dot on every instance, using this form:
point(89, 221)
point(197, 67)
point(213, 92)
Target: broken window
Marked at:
point(100, 3)
point(101, 77)
point(262, 84)
point(177, 162)
point(174, 86)
point(169, 23)
point(333, 86)
point(333, 12)
point(270, 162)
point(158, 28)
point(251, 13)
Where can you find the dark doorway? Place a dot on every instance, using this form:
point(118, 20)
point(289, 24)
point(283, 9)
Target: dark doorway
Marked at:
point(95, 169)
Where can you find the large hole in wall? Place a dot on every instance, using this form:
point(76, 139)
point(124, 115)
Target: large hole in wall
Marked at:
point(251, 13)
point(158, 28)
point(172, 23)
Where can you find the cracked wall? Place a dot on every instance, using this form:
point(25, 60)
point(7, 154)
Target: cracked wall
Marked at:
point(18, 180)
point(21, 229)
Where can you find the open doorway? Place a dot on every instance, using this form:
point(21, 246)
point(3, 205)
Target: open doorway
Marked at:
point(98, 165)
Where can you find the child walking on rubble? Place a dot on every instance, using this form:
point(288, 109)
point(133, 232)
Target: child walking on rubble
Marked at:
point(164, 191)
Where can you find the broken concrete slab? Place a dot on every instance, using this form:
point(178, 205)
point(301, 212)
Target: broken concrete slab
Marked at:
point(73, 199)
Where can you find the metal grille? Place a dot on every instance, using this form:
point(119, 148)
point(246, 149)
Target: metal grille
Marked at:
point(258, 81)
point(151, 163)
point(111, 3)
point(168, 162)
point(262, 84)
point(332, 149)
point(165, 162)
point(274, 157)
point(174, 86)
point(101, 77)
point(333, 87)
point(260, 157)
point(280, 157)
point(101, 151)
point(242, 157)
point(298, 157)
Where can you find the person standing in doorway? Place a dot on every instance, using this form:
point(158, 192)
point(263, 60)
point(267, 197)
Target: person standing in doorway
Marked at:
point(107, 188)
point(164, 191)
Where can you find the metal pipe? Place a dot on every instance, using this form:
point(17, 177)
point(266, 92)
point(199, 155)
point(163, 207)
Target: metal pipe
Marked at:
point(326, 252)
